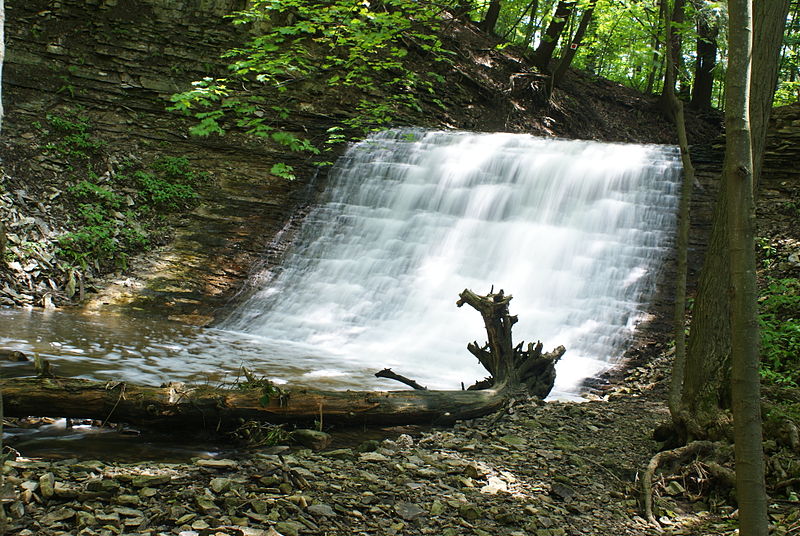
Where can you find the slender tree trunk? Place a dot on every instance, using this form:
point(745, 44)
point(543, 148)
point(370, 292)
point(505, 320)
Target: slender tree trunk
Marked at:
point(703, 87)
point(544, 52)
point(682, 242)
point(769, 21)
point(673, 49)
point(574, 43)
point(2, 56)
point(656, 44)
point(492, 14)
point(738, 174)
point(530, 8)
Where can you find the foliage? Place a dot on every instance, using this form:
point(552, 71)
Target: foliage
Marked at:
point(346, 45)
point(780, 331)
point(74, 139)
point(170, 187)
point(104, 233)
point(268, 389)
point(108, 226)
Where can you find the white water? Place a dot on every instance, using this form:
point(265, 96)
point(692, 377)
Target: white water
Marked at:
point(575, 230)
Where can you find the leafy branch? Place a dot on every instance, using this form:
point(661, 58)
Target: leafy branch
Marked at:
point(347, 45)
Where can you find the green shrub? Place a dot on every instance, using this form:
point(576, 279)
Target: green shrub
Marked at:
point(171, 187)
point(106, 230)
point(780, 331)
point(73, 137)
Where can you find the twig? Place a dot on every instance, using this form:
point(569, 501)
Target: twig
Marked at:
point(120, 397)
point(387, 373)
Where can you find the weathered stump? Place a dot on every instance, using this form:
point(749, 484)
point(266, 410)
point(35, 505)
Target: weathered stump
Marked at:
point(511, 367)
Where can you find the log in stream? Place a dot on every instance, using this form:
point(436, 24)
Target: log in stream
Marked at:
point(514, 371)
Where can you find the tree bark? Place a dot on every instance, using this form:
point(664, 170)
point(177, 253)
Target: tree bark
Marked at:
point(181, 406)
point(2, 56)
point(511, 367)
point(769, 21)
point(672, 48)
point(574, 43)
point(703, 87)
point(544, 52)
point(682, 241)
point(492, 14)
point(738, 174)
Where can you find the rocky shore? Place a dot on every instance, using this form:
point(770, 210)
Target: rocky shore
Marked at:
point(539, 469)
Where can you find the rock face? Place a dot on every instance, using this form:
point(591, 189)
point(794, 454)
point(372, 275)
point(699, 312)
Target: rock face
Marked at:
point(120, 60)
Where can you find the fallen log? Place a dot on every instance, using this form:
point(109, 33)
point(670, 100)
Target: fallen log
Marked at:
point(213, 408)
point(177, 405)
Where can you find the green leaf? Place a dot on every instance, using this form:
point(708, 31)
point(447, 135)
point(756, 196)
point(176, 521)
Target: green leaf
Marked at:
point(283, 171)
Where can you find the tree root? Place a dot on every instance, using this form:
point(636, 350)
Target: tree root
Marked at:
point(678, 454)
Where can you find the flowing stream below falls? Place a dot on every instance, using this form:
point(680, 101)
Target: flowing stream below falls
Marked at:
point(576, 230)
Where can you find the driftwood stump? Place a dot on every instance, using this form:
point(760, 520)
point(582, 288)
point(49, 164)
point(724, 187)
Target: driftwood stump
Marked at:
point(511, 367)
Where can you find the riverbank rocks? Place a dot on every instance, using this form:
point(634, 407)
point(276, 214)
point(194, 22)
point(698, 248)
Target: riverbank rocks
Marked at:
point(554, 469)
point(543, 470)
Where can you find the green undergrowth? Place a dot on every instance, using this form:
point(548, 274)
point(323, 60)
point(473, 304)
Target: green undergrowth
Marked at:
point(117, 206)
point(779, 316)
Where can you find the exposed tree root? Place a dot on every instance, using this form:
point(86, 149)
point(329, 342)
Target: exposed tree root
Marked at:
point(678, 454)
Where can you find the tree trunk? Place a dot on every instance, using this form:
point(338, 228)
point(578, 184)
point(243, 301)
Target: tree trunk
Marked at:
point(705, 63)
point(769, 21)
point(706, 384)
point(176, 405)
point(492, 14)
point(738, 174)
point(575, 42)
point(181, 406)
point(682, 241)
point(673, 48)
point(531, 8)
point(544, 52)
point(511, 367)
point(656, 44)
point(2, 58)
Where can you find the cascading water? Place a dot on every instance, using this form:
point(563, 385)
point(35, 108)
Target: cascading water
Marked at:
point(575, 230)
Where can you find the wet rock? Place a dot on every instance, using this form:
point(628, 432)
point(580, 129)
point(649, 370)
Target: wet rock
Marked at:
point(223, 465)
point(408, 511)
point(62, 514)
point(373, 457)
point(288, 528)
point(321, 509)
point(47, 484)
point(469, 512)
point(313, 439)
point(220, 485)
point(562, 491)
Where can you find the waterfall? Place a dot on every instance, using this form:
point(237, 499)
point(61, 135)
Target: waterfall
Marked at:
point(575, 230)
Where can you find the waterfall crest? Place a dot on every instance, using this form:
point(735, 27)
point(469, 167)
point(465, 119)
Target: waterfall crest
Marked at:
point(575, 230)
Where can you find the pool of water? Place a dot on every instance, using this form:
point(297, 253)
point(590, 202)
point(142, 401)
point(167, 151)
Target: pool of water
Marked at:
point(155, 351)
